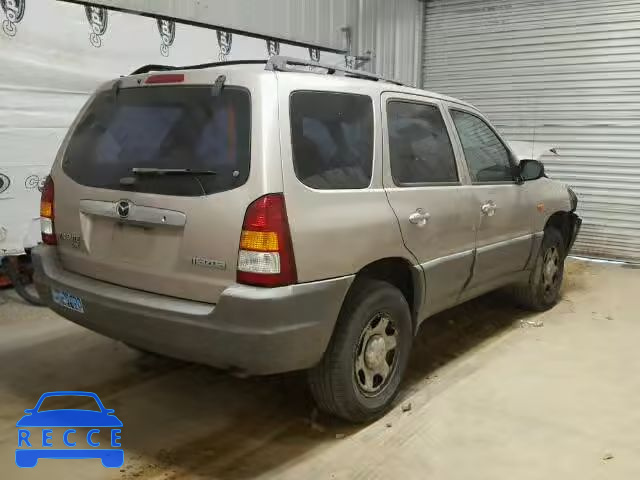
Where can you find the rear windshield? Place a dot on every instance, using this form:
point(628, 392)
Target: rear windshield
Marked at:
point(167, 128)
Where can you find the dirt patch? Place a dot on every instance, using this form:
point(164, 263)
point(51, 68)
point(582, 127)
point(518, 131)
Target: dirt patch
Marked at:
point(277, 431)
point(575, 273)
point(455, 332)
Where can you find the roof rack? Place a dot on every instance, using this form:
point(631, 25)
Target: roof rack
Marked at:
point(168, 68)
point(276, 63)
point(288, 64)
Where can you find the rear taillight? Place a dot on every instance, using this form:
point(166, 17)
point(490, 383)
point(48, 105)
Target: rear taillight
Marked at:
point(47, 213)
point(266, 256)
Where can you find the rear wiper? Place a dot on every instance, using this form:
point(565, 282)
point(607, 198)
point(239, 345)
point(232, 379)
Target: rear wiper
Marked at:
point(136, 172)
point(171, 171)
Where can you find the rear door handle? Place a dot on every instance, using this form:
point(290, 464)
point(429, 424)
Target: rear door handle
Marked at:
point(488, 208)
point(419, 217)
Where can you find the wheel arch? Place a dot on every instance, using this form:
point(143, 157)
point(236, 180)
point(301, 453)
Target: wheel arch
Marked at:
point(402, 274)
point(564, 222)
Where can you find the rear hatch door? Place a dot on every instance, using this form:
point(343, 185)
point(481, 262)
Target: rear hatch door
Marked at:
point(153, 186)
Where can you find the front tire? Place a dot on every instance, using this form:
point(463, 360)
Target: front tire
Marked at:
point(542, 291)
point(360, 373)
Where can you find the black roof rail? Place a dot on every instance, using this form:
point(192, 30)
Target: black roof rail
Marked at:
point(276, 63)
point(287, 64)
point(168, 68)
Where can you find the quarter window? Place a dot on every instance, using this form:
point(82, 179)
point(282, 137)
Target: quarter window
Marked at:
point(332, 139)
point(419, 145)
point(486, 156)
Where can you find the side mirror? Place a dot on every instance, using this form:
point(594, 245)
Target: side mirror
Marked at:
point(531, 170)
point(29, 410)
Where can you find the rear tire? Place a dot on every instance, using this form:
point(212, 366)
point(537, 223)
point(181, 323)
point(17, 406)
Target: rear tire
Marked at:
point(360, 373)
point(542, 291)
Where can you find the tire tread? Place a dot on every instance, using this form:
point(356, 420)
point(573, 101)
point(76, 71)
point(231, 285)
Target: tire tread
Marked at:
point(527, 293)
point(328, 392)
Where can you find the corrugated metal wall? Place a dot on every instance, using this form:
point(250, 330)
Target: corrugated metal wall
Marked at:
point(563, 72)
point(392, 30)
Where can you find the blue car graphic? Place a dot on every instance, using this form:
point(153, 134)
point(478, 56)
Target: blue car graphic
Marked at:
point(69, 419)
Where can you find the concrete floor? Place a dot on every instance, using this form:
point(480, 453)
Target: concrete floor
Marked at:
point(495, 393)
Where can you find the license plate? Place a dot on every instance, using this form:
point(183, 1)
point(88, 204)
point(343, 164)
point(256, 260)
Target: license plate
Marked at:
point(67, 300)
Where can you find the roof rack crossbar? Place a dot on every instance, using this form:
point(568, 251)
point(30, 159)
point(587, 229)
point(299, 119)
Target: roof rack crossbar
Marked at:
point(288, 64)
point(276, 63)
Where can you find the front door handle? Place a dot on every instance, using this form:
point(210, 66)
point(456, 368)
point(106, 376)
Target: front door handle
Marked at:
point(419, 217)
point(489, 208)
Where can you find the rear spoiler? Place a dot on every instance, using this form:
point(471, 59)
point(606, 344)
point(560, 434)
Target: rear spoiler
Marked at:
point(169, 68)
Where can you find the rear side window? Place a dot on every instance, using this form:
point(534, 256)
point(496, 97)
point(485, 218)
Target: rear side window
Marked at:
point(332, 139)
point(184, 127)
point(419, 146)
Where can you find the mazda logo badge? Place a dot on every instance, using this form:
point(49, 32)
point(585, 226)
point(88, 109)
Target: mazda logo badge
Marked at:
point(123, 207)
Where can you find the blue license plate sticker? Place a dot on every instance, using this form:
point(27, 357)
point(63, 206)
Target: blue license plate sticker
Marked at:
point(67, 300)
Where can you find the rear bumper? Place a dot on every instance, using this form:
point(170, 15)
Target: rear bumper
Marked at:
point(250, 330)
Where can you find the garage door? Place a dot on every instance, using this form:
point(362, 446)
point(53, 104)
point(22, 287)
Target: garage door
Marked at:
point(562, 72)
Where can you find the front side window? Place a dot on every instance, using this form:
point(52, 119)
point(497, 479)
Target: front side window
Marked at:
point(332, 139)
point(487, 158)
point(419, 146)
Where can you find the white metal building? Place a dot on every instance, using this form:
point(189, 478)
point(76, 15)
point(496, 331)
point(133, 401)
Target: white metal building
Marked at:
point(562, 72)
